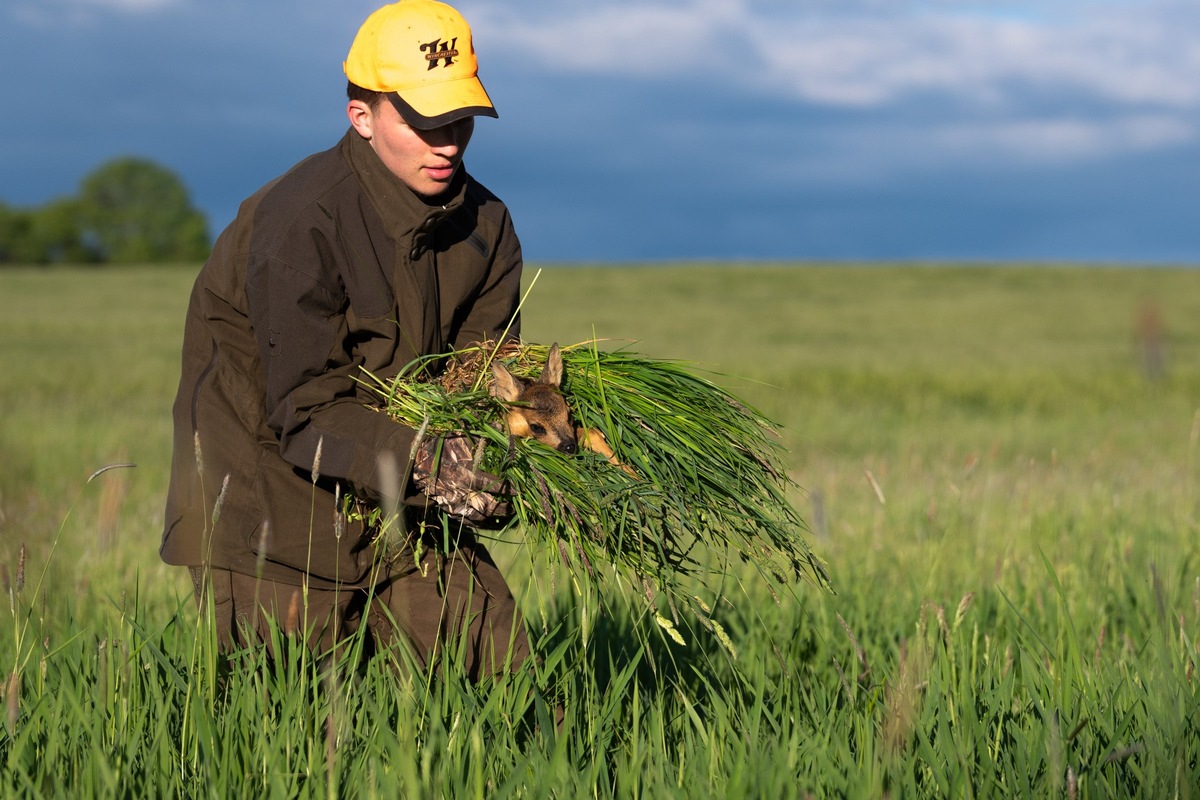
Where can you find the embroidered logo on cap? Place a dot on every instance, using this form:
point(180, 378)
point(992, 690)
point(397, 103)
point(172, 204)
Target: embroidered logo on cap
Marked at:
point(439, 51)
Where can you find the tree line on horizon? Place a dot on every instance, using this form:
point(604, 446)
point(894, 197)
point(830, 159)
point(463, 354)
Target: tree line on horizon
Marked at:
point(129, 210)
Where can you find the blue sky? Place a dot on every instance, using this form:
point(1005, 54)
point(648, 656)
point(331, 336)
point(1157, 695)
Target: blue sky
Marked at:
point(673, 129)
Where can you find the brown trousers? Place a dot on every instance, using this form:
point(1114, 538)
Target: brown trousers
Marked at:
point(441, 600)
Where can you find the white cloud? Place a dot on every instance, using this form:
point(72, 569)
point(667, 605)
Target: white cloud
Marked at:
point(868, 63)
point(649, 39)
point(863, 55)
point(1065, 139)
point(1012, 75)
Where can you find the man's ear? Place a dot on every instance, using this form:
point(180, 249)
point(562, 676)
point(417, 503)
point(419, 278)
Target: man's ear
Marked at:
point(362, 118)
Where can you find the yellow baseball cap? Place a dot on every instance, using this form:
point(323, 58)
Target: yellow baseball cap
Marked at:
point(420, 53)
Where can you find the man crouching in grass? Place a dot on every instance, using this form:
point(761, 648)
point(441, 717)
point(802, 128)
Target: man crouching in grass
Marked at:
point(358, 260)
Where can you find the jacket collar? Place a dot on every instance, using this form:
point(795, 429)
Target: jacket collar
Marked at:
point(409, 218)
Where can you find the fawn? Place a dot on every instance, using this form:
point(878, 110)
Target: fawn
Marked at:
point(538, 410)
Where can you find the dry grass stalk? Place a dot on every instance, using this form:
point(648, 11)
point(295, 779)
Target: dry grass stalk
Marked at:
point(964, 605)
point(875, 487)
point(864, 666)
point(112, 498)
point(12, 701)
point(21, 569)
point(902, 697)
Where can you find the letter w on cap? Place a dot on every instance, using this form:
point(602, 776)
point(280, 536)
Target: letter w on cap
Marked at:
point(440, 52)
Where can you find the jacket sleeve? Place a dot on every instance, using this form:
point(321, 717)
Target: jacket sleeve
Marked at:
point(313, 364)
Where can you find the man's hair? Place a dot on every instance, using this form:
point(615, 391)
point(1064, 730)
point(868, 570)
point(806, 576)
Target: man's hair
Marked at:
point(368, 96)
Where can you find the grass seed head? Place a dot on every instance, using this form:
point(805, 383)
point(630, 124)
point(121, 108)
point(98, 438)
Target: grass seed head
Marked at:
point(216, 512)
point(316, 465)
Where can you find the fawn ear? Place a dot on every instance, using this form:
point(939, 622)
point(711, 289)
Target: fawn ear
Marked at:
point(552, 373)
point(507, 386)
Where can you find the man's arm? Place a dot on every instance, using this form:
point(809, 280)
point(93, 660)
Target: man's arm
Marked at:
point(313, 366)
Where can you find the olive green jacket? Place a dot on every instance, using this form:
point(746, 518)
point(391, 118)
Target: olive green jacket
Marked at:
point(332, 271)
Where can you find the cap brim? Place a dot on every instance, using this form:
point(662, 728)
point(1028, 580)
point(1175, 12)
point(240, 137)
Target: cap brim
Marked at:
point(434, 105)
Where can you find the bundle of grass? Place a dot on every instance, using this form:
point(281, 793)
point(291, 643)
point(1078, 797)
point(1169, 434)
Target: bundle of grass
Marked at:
point(695, 480)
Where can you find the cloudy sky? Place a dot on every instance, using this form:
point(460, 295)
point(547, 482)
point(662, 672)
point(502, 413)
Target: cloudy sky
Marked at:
point(673, 129)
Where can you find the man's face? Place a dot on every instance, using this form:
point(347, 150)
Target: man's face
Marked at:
point(424, 160)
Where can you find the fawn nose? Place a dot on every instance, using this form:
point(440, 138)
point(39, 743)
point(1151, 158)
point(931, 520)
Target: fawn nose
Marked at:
point(567, 446)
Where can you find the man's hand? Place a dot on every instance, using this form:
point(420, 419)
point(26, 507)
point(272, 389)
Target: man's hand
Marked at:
point(446, 469)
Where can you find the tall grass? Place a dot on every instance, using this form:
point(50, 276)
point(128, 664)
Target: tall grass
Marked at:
point(1007, 506)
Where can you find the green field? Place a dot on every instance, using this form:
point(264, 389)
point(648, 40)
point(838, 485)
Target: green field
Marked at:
point(1005, 497)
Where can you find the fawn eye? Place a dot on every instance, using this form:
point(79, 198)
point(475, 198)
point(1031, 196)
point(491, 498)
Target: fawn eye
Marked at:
point(538, 429)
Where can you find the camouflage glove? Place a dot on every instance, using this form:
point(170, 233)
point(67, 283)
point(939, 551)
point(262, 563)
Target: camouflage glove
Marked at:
point(446, 469)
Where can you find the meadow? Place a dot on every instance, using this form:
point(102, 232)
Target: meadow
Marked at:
point(997, 464)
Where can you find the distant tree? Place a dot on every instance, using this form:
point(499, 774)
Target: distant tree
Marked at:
point(128, 210)
point(43, 235)
point(133, 210)
point(58, 234)
point(16, 236)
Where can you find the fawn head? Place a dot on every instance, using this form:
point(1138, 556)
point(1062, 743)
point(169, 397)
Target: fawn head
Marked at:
point(537, 409)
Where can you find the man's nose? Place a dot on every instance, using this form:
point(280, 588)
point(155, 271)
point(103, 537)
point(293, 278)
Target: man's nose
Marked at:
point(448, 137)
point(442, 138)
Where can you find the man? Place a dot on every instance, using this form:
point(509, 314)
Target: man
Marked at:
point(359, 259)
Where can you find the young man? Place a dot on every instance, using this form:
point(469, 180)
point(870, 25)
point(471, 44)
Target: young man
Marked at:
point(359, 259)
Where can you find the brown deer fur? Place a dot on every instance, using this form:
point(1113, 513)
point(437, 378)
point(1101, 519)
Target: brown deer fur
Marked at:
point(538, 410)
